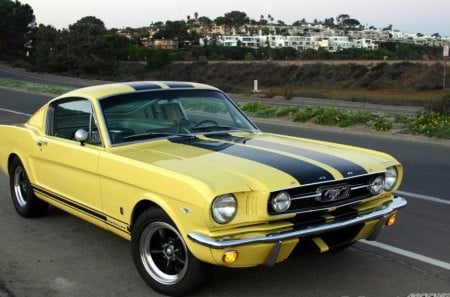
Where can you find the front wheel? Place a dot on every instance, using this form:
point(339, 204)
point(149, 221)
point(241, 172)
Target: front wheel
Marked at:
point(162, 257)
point(25, 202)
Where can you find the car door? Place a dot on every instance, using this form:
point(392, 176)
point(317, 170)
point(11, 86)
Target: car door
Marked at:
point(66, 170)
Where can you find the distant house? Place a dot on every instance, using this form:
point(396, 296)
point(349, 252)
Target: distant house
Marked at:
point(169, 44)
point(302, 36)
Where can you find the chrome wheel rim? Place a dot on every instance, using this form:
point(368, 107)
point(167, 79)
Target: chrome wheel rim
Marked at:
point(20, 186)
point(163, 253)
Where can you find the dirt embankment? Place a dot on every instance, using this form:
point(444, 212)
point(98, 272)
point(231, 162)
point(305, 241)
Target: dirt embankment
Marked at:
point(235, 77)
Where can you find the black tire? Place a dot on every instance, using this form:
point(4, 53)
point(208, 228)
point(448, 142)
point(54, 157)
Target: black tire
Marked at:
point(25, 202)
point(162, 257)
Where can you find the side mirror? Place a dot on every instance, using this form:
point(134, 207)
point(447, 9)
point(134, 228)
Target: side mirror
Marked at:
point(81, 135)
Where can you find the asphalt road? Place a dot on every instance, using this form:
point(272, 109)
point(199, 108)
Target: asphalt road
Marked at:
point(59, 255)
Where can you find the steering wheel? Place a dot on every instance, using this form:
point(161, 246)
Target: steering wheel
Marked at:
point(201, 123)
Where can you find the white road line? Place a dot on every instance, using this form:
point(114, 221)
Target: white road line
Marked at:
point(15, 112)
point(423, 197)
point(408, 254)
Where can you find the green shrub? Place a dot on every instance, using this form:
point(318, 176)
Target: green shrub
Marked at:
point(441, 107)
point(305, 115)
point(381, 123)
point(287, 111)
point(158, 58)
point(432, 124)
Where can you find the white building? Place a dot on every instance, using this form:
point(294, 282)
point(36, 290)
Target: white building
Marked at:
point(319, 36)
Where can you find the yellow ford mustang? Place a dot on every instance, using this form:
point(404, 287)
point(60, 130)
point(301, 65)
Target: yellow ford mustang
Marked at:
point(180, 171)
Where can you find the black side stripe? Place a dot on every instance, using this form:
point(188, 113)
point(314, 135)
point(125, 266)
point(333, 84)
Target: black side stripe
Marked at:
point(76, 206)
point(303, 172)
point(345, 167)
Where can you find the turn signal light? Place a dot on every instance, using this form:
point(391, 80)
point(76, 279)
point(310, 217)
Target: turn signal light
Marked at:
point(230, 257)
point(391, 221)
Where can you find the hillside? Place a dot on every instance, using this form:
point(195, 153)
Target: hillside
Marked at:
point(236, 77)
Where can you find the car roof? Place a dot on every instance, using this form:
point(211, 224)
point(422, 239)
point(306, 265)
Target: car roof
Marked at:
point(102, 91)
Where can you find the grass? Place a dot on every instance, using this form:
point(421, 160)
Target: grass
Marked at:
point(34, 87)
point(427, 123)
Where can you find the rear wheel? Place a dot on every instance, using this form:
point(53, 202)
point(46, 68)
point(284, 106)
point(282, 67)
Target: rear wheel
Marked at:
point(25, 202)
point(162, 257)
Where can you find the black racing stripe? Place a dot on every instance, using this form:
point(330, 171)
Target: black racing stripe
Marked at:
point(143, 85)
point(345, 167)
point(78, 207)
point(303, 172)
point(178, 85)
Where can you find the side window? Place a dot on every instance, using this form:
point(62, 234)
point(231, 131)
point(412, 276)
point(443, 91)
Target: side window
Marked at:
point(68, 115)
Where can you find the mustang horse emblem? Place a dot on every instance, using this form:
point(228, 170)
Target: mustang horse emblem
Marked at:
point(333, 194)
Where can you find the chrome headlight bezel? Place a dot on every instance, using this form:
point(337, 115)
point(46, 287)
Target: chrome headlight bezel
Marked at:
point(377, 185)
point(224, 208)
point(390, 178)
point(281, 202)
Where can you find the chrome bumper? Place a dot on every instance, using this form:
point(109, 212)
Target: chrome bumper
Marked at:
point(381, 213)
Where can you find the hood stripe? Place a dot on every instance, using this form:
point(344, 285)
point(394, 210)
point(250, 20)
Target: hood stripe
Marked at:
point(345, 167)
point(149, 85)
point(303, 172)
point(178, 85)
point(143, 85)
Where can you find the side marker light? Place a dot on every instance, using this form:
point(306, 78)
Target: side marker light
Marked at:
point(230, 257)
point(391, 221)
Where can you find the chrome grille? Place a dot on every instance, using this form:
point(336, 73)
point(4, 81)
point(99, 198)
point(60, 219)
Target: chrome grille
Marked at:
point(323, 196)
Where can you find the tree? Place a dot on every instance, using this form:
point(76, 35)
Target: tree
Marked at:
point(299, 23)
point(233, 19)
point(436, 35)
point(173, 30)
point(388, 28)
point(262, 22)
point(350, 23)
point(329, 22)
point(87, 50)
point(340, 19)
point(205, 21)
point(16, 23)
point(49, 50)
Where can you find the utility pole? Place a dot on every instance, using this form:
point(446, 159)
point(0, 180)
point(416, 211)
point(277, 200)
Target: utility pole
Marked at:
point(444, 58)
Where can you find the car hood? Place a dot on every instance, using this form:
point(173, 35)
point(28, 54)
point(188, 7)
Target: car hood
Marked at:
point(232, 162)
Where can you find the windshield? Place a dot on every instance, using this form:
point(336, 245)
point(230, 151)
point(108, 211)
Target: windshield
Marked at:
point(153, 114)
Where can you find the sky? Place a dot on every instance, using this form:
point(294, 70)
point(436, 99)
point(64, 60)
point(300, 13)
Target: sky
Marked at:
point(412, 16)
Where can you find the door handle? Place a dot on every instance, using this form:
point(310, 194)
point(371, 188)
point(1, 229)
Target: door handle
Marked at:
point(41, 143)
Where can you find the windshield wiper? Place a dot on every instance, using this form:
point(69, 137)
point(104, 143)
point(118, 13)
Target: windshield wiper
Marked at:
point(150, 135)
point(212, 128)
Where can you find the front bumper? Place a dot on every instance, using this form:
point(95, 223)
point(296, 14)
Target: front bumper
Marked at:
point(381, 213)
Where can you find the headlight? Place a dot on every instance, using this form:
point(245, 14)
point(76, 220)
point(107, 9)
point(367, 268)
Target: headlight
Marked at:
point(224, 208)
point(390, 178)
point(377, 185)
point(281, 202)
